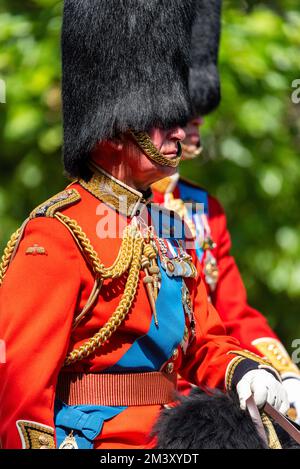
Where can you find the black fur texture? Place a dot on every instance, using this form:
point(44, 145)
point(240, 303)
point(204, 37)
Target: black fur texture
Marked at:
point(204, 80)
point(214, 421)
point(125, 65)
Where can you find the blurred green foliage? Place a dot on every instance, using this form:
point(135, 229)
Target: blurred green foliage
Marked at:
point(252, 142)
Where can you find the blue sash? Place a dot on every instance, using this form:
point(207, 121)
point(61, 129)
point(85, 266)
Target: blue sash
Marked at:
point(149, 352)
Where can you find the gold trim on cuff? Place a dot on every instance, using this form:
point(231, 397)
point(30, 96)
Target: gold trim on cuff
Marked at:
point(230, 371)
point(251, 356)
point(240, 356)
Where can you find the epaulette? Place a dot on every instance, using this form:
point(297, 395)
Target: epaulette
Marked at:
point(57, 202)
point(47, 209)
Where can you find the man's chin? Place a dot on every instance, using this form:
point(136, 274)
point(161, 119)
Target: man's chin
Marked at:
point(164, 171)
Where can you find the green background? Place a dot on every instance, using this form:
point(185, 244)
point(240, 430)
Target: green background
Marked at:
point(252, 142)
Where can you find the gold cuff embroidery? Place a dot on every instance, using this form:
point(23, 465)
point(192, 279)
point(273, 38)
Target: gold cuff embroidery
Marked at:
point(240, 356)
point(251, 356)
point(34, 435)
point(230, 371)
point(277, 355)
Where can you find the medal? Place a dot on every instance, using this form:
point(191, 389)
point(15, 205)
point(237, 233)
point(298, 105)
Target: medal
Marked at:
point(211, 270)
point(69, 442)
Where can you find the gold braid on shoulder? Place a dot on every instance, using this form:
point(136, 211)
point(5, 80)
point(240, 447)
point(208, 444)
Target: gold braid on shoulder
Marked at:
point(120, 313)
point(129, 259)
point(8, 252)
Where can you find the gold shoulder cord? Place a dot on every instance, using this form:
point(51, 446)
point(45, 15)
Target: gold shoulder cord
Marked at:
point(129, 259)
point(8, 252)
point(124, 258)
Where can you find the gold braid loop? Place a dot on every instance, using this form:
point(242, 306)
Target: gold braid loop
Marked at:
point(149, 252)
point(145, 143)
point(8, 252)
point(124, 258)
point(120, 313)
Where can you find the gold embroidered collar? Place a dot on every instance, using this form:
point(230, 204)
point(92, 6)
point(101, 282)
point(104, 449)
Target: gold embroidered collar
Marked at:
point(115, 193)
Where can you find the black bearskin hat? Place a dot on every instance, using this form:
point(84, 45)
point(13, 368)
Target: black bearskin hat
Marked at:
point(125, 66)
point(204, 81)
point(211, 421)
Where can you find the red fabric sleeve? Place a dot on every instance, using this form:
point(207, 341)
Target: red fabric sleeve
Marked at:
point(230, 298)
point(37, 302)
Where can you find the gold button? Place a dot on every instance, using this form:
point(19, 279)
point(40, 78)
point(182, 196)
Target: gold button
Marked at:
point(44, 440)
point(175, 354)
point(170, 368)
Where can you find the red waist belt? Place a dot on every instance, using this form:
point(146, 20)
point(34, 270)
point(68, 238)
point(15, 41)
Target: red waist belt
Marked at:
point(114, 389)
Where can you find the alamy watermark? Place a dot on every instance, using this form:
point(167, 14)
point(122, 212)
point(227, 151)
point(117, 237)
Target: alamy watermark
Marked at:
point(2, 92)
point(166, 223)
point(296, 352)
point(296, 92)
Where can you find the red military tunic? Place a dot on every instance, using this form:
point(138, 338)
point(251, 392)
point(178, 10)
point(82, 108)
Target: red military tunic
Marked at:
point(47, 284)
point(227, 292)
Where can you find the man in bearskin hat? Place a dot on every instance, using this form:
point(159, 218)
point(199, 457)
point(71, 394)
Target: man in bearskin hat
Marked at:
point(100, 303)
point(219, 270)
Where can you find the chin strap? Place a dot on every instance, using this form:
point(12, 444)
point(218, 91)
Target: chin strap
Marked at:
point(146, 145)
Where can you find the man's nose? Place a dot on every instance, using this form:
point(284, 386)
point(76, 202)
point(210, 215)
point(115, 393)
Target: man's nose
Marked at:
point(177, 133)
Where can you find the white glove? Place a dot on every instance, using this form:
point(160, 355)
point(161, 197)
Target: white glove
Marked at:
point(292, 387)
point(264, 388)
